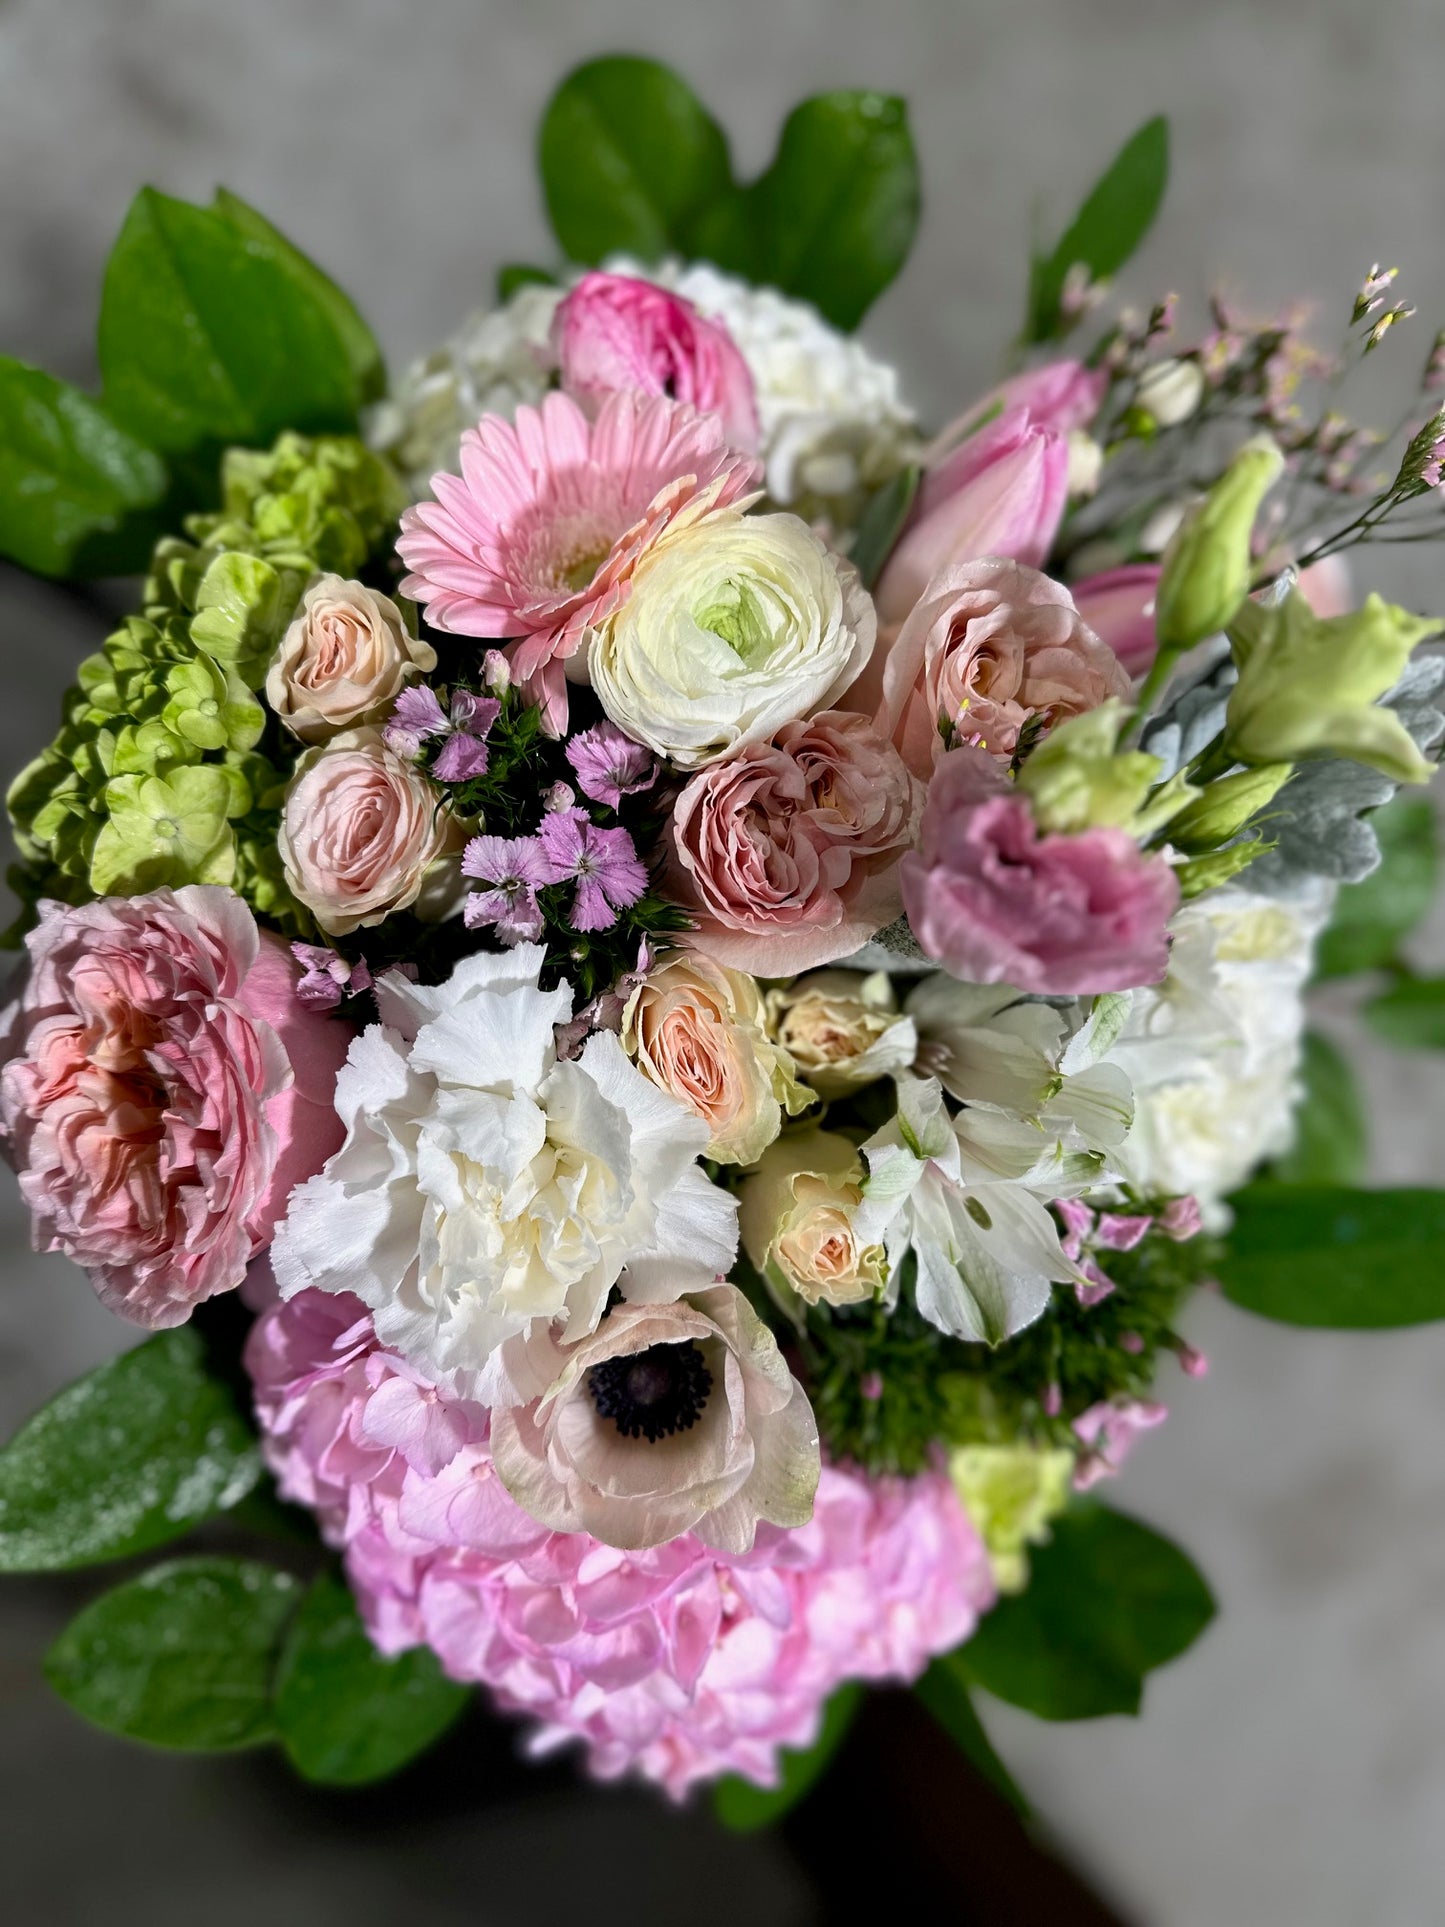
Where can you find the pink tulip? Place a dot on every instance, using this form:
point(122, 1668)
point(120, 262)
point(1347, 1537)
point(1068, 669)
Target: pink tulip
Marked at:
point(1001, 492)
point(1119, 607)
point(1062, 395)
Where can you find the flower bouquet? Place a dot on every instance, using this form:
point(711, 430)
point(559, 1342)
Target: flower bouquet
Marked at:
point(658, 982)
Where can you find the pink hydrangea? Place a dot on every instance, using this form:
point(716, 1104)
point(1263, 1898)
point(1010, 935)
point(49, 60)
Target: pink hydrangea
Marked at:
point(539, 536)
point(680, 1662)
point(164, 1090)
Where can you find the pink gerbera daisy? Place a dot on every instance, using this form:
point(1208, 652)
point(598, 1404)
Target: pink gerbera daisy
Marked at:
point(539, 536)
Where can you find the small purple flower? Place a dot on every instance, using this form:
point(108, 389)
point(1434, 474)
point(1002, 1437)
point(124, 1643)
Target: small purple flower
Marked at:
point(418, 715)
point(328, 977)
point(515, 867)
point(604, 862)
point(610, 765)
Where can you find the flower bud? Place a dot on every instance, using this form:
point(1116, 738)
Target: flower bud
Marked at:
point(1010, 1493)
point(1076, 781)
point(1086, 465)
point(1225, 807)
point(1207, 564)
point(1204, 873)
point(1170, 392)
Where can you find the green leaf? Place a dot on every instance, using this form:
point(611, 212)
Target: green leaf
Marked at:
point(1331, 1131)
point(362, 350)
point(944, 1691)
point(1410, 1016)
point(345, 1714)
point(629, 159)
point(1114, 219)
point(833, 218)
point(182, 1657)
point(516, 274)
point(1108, 1601)
point(1372, 918)
point(73, 484)
point(128, 1458)
point(209, 337)
point(1318, 1255)
point(881, 524)
point(745, 1808)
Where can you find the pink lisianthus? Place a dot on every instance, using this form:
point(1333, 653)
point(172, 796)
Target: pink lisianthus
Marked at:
point(680, 1662)
point(613, 332)
point(787, 852)
point(539, 536)
point(164, 1090)
point(1001, 492)
point(991, 644)
point(1119, 606)
point(995, 902)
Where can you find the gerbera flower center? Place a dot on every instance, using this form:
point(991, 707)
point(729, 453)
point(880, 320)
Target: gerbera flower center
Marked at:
point(652, 1394)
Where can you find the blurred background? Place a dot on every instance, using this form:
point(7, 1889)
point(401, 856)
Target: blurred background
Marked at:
point(1291, 1769)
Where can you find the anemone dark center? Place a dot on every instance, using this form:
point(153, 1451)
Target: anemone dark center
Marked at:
point(652, 1394)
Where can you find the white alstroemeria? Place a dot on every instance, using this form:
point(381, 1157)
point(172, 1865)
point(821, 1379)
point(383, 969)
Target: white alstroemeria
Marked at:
point(986, 1249)
point(1029, 1062)
point(485, 1185)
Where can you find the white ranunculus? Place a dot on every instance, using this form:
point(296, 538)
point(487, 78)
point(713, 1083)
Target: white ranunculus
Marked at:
point(1213, 1052)
point(486, 1187)
point(734, 626)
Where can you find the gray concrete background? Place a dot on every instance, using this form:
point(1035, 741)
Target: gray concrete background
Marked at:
point(1292, 1769)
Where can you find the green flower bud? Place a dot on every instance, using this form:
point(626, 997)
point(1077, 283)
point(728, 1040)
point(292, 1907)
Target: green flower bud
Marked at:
point(164, 832)
point(1010, 1493)
point(1207, 563)
point(1219, 867)
point(1224, 808)
point(1075, 779)
point(1309, 687)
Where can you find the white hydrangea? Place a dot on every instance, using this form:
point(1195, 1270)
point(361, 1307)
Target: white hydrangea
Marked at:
point(487, 1188)
point(834, 425)
point(1213, 1052)
point(494, 362)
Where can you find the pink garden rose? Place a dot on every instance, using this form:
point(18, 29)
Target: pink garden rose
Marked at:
point(680, 1662)
point(613, 332)
point(1119, 606)
point(1001, 492)
point(995, 902)
point(163, 1091)
point(786, 853)
point(991, 644)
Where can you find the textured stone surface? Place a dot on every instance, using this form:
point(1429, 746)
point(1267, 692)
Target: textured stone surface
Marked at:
point(1289, 1770)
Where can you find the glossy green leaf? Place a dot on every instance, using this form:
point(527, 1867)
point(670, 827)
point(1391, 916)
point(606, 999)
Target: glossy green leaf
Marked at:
point(881, 524)
point(1113, 220)
point(1411, 1015)
point(73, 484)
point(360, 345)
point(130, 1457)
point(745, 1808)
point(1318, 1255)
point(833, 218)
point(345, 1714)
point(182, 1657)
point(1331, 1130)
point(1373, 918)
point(629, 159)
point(944, 1691)
point(1108, 1600)
point(210, 337)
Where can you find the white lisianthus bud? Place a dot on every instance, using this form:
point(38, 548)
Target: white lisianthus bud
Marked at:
point(1086, 464)
point(1170, 392)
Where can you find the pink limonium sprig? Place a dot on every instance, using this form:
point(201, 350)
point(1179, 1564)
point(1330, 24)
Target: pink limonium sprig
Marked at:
point(609, 765)
point(418, 716)
point(604, 863)
point(514, 868)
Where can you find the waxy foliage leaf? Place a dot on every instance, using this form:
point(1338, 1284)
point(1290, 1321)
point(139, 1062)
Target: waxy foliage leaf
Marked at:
point(1115, 217)
point(744, 1808)
point(1313, 1254)
point(1372, 918)
point(1331, 1144)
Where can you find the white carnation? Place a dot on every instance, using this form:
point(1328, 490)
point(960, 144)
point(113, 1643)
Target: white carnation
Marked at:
point(494, 363)
point(1213, 1052)
point(486, 1189)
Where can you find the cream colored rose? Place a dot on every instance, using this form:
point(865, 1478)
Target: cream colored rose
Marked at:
point(667, 1419)
point(697, 1030)
point(343, 661)
point(841, 1029)
point(363, 833)
point(797, 1217)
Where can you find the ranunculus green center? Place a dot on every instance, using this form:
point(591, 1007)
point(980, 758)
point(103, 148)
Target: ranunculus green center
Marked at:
point(737, 616)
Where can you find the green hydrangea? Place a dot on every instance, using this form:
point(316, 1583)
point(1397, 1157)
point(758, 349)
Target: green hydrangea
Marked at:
point(165, 769)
